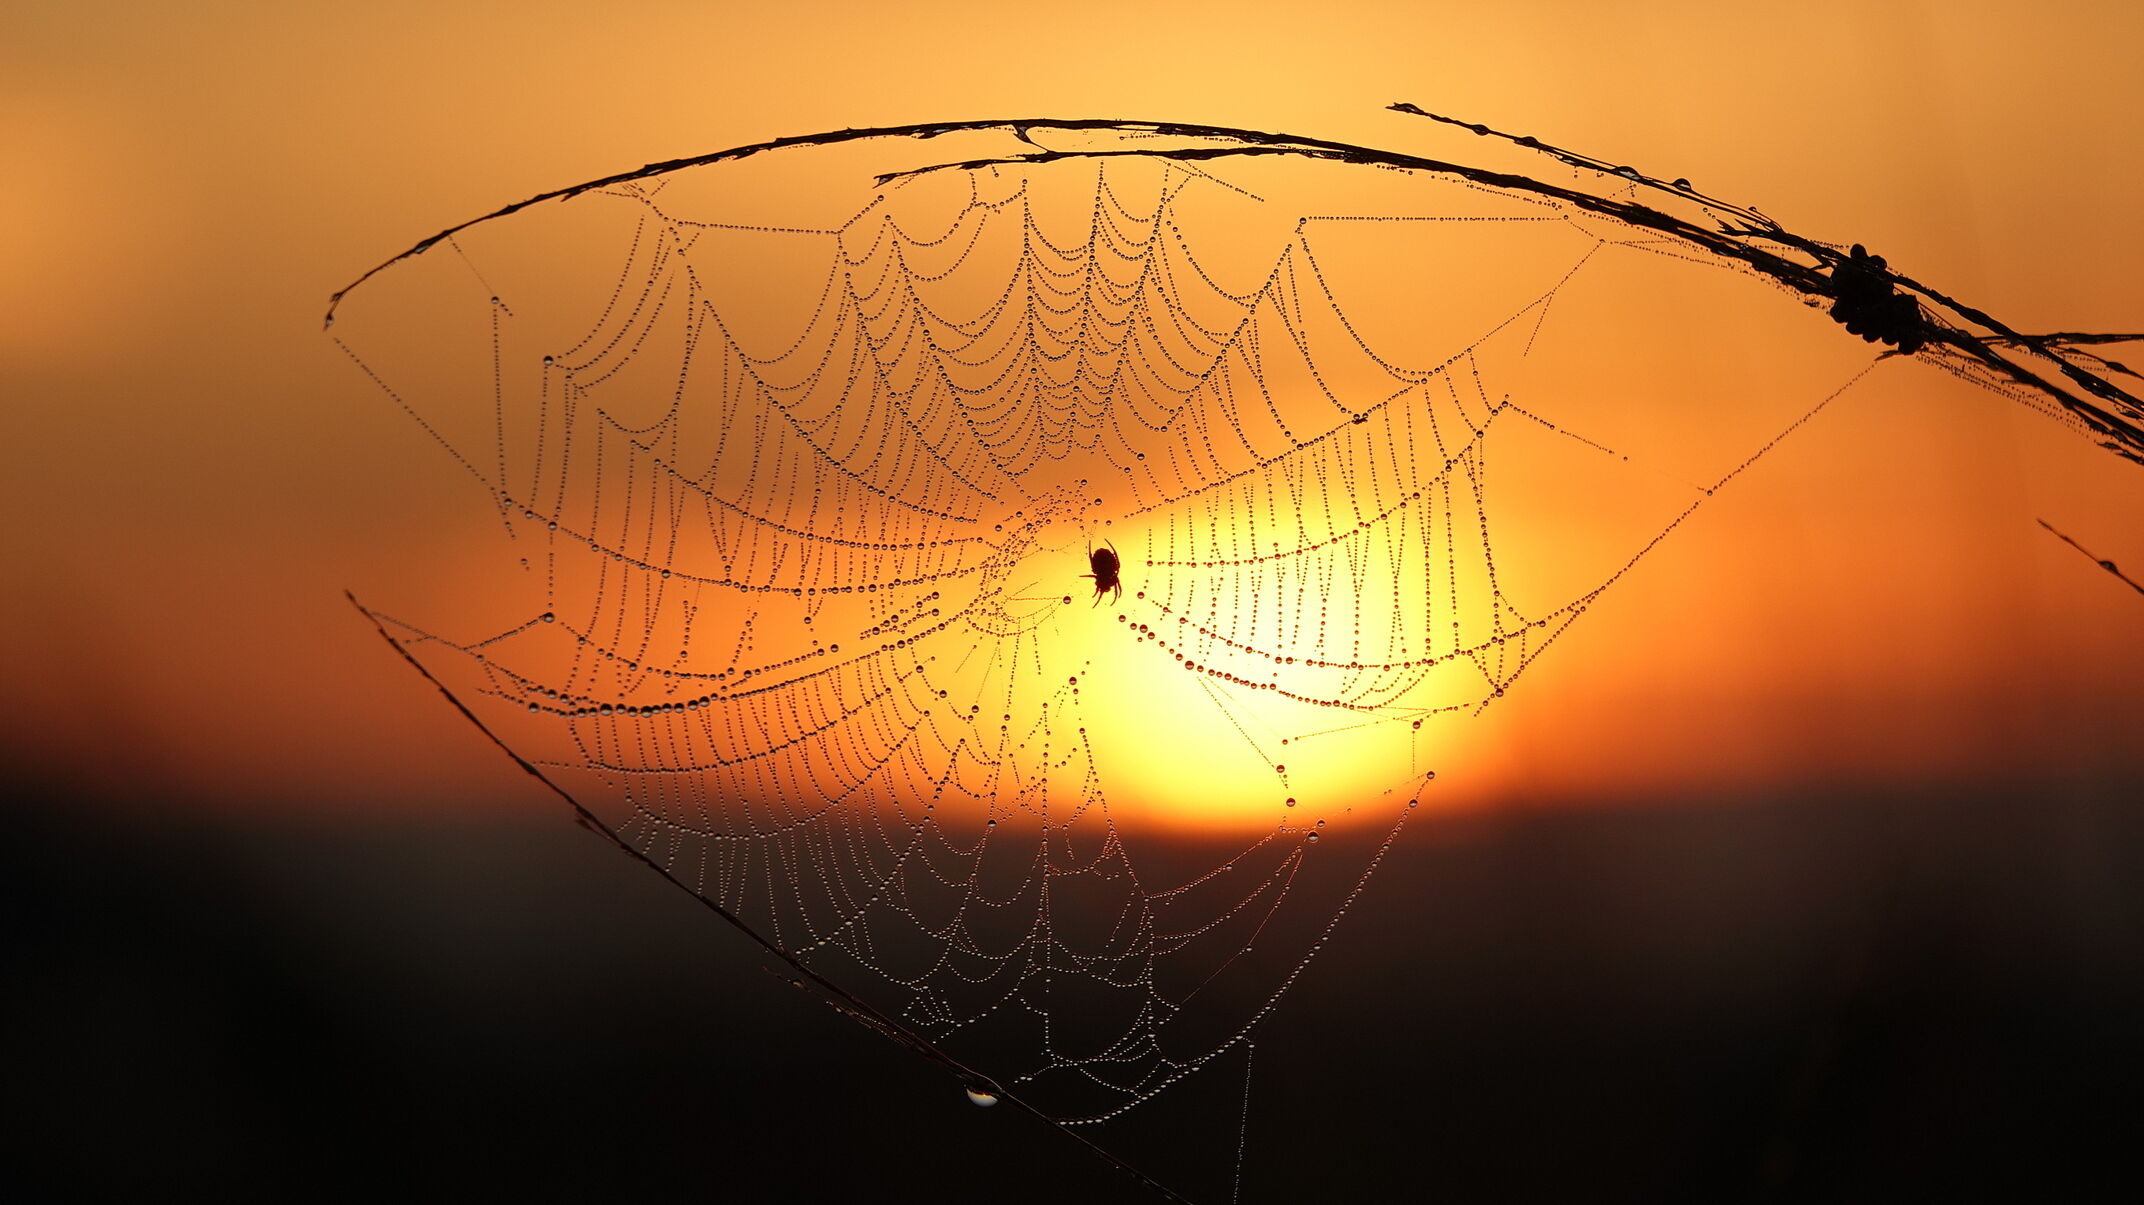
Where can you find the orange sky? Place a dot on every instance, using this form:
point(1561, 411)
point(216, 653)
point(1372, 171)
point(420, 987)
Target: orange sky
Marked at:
point(194, 474)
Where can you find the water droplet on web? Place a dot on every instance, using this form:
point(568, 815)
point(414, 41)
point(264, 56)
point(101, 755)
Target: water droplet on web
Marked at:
point(981, 1100)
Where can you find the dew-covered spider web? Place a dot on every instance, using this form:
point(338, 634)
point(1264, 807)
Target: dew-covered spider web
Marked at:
point(799, 458)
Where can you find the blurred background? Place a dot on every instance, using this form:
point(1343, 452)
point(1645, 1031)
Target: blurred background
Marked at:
point(1806, 868)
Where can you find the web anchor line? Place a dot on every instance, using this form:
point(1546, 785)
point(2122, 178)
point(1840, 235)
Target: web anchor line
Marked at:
point(2102, 562)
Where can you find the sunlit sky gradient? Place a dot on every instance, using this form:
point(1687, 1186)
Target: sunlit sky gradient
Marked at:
point(194, 474)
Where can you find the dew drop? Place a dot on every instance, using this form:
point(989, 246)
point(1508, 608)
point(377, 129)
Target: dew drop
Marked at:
point(982, 1100)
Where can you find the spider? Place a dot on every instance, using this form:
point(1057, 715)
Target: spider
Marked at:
point(1106, 567)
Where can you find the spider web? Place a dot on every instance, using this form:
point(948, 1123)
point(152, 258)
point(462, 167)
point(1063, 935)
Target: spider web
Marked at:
point(798, 477)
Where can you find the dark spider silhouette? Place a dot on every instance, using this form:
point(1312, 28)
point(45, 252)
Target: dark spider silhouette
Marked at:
point(1106, 567)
